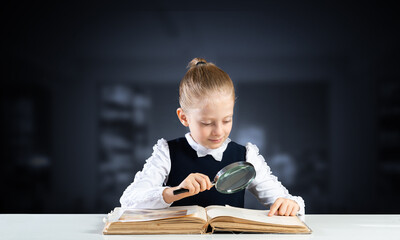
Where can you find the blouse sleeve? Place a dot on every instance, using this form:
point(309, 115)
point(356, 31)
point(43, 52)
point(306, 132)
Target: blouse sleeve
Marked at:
point(266, 186)
point(147, 188)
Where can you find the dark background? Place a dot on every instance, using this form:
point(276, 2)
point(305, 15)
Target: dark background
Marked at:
point(87, 89)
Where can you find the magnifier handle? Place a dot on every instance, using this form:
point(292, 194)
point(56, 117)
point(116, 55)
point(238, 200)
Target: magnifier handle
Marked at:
point(180, 190)
point(183, 190)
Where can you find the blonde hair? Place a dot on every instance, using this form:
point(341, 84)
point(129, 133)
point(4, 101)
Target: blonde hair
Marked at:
point(200, 81)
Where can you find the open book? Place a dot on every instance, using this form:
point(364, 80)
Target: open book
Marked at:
point(196, 219)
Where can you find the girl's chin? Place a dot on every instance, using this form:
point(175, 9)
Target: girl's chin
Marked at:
point(214, 145)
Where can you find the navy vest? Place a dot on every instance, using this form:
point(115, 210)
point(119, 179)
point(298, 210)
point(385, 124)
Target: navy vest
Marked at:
point(184, 160)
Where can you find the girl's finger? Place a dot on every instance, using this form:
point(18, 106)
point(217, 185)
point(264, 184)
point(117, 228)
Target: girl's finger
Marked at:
point(209, 184)
point(196, 187)
point(282, 208)
point(189, 186)
point(274, 207)
point(289, 209)
point(295, 210)
point(202, 181)
point(207, 180)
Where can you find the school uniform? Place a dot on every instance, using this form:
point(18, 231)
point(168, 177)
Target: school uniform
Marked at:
point(172, 161)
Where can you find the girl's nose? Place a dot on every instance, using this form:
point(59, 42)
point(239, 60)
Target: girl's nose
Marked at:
point(217, 130)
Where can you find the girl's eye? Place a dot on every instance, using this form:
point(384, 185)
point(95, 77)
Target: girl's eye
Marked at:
point(206, 124)
point(227, 121)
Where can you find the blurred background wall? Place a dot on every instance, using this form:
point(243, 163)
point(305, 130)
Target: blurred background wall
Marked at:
point(87, 89)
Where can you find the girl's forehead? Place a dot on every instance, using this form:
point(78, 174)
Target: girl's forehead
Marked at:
point(220, 106)
point(215, 99)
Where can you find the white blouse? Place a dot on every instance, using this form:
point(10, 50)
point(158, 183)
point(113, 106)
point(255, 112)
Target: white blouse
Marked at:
point(147, 188)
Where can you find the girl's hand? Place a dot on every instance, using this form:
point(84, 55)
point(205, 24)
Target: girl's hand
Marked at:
point(194, 182)
point(284, 207)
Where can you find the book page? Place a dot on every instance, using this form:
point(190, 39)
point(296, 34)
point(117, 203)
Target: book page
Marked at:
point(138, 215)
point(251, 214)
point(141, 215)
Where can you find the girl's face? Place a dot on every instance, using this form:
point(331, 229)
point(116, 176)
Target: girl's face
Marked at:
point(210, 122)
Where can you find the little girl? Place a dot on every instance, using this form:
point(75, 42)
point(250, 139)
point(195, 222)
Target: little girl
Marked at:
point(207, 99)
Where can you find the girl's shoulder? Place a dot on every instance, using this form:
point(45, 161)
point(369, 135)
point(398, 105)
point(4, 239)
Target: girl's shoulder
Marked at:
point(249, 146)
point(161, 146)
point(161, 142)
point(252, 149)
point(180, 139)
point(164, 145)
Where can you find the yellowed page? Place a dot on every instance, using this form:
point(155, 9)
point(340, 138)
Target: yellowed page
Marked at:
point(182, 219)
point(141, 215)
point(252, 215)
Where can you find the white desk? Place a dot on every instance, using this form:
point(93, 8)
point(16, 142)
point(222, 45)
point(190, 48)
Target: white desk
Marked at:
point(89, 226)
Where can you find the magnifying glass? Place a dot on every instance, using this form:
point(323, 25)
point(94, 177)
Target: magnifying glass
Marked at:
point(230, 179)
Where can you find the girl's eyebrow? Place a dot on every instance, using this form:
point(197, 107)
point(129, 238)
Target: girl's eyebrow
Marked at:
point(229, 116)
point(207, 118)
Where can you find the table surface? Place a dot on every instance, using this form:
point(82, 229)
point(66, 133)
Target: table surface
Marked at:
point(89, 226)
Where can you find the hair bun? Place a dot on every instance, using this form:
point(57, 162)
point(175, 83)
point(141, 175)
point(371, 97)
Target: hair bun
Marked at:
point(196, 61)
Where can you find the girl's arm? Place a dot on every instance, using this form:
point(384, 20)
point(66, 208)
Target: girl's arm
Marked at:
point(146, 191)
point(194, 183)
point(266, 186)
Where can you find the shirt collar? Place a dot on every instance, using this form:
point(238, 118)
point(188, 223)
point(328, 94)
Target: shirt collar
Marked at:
point(203, 151)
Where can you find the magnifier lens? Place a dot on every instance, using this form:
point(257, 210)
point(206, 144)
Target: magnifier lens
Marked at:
point(232, 178)
point(235, 179)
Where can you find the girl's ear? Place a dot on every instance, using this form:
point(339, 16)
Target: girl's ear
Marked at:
point(182, 117)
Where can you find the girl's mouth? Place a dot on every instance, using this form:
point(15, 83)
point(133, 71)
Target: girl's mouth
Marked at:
point(216, 140)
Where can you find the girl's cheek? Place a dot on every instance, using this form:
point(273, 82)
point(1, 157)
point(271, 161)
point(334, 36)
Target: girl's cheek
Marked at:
point(204, 131)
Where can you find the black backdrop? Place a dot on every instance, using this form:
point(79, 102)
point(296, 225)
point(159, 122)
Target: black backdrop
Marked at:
point(87, 89)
